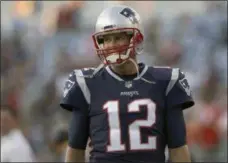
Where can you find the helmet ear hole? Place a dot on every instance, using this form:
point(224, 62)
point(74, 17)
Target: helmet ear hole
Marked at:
point(138, 38)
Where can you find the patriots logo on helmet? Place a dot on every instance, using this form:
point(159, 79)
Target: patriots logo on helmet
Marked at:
point(128, 13)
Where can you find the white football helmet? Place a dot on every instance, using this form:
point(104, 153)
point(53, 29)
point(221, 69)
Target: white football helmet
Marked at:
point(118, 19)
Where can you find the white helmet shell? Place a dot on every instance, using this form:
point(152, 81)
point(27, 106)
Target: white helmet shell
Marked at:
point(119, 18)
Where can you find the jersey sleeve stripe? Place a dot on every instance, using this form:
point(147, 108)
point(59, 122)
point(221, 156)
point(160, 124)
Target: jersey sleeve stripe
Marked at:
point(174, 77)
point(82, 84)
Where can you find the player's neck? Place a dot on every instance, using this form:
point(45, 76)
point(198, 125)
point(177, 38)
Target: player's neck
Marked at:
point(128, 68)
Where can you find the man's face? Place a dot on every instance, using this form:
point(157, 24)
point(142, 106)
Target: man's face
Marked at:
point(115, 46)
point(116, 40)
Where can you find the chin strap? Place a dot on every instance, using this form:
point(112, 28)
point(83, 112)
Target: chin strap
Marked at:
point(137, 69)
point(136, 66)
point(101, 68)
point(98, 69)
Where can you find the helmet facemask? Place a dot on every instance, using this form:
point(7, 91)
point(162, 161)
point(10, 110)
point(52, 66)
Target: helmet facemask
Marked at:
point(118, 54)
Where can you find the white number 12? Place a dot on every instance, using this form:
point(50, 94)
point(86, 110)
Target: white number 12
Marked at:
point(115, 144)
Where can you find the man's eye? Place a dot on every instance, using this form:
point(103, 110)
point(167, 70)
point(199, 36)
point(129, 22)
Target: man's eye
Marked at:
point(119, 38)
point(107, 39)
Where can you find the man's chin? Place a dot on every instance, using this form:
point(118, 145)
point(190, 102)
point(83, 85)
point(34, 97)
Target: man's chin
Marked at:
point(114, 57)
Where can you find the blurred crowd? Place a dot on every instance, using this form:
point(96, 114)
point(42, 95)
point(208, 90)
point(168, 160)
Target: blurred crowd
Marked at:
point(44, 41)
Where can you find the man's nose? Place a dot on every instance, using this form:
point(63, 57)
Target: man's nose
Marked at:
point(112, 43)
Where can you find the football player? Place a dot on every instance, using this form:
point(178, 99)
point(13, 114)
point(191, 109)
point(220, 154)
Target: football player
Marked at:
point(129, 111)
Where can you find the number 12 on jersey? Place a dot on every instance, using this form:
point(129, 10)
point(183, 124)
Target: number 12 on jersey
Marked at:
point(112, 108)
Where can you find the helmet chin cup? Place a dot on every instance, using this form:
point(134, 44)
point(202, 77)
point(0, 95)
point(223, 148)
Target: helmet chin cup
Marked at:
point(119, 61)
point(115, 58)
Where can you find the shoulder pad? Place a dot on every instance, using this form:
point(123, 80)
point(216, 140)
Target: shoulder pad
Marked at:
point(84, 72)
point(81, 82)
point(91, 72)
point(162, 67)
point(161, 73)
point(175, 74)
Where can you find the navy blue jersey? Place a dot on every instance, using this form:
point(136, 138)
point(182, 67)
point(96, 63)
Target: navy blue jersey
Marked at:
point(127, 120)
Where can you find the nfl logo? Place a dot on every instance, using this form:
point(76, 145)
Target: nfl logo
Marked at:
point(128, 84)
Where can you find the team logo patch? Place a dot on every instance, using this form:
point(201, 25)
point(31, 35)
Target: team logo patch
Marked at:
point(128, 84)
point(69, 84)
point(185, 86)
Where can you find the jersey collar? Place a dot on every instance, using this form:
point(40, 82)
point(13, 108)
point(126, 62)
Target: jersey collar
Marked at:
point(118, 77)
